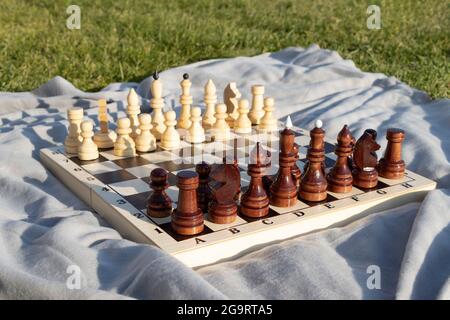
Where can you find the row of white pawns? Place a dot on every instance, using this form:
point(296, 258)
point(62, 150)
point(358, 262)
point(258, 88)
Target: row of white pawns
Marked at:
point(139, 132)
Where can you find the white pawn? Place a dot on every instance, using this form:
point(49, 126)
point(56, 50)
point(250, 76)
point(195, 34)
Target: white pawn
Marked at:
point(257, 112)
point(87, 150)
point(157, 104)
point(133, 109)
point(145, 141)
point(186, 100)
point(221, 130)
point(243, 124)
point(124, 145)
point(268, 123)
point(170, 139)
point(210, 99)
point(196, 133)
point(73, 139)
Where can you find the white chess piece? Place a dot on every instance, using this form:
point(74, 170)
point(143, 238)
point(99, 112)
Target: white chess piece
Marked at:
point(87, 150)
point(220, 131)
point(73, 139)
point(196, 133)
point(257, 112)
point(243, 124)
point(210, 99)
point(231, 96)
point(184, 122)
point(268, 123)
point(157, 103)
point(104, 138)
point(133, 110)
point(145, 141)
point(170, 139)
point(124, 145)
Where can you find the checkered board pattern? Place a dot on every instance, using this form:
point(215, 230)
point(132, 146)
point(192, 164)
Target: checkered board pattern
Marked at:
point(118, 189)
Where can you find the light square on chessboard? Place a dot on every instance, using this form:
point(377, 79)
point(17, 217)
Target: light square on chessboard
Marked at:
point(109, 154)
point(216, 226)
point(142, 171)
point(392, 182)
point(101, 167)
point(160, 221)
point(130, 187)
point(215, 146)
point(160, 156)
point(183, 144)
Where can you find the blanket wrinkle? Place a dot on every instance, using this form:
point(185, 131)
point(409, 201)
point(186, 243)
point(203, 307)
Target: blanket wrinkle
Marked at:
point(45, 229)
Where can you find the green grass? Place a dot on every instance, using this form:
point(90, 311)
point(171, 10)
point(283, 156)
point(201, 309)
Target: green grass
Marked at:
point(127, 40)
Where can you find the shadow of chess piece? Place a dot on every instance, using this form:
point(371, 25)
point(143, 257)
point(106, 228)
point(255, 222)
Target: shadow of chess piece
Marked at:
point(203, 194)
point(187, 218)
point(340, 177)
point(364, 173)
point(313, 185)
point(224, 186)
point(391, 166)
point(283, 192)
point(255, 202)
point(159, 204)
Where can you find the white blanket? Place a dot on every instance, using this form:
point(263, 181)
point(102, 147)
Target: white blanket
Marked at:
point(45, 229)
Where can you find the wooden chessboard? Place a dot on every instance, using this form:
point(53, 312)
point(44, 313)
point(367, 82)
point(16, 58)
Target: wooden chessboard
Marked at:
point(117, 188)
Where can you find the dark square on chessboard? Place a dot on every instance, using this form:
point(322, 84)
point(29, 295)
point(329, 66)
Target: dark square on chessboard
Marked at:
point(114, 176)
point(131, 162)
point(171, 179)
point(139, 200)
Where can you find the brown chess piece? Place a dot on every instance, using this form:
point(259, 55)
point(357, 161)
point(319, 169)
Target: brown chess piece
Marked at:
point(391, 166)
point(187, 218)
point(283, 192)
point(340, 177)
point(255, 202)
point(203, 170)
point(295, 170)
point(224, 186)
point(159, 204)
point(313, 186)
point(233, 161)
point(364, 173)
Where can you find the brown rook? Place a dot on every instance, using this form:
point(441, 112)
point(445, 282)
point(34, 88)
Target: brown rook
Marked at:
point(283, 192)
point(391, 166)
point(340, 176)
point(313, 185)
point(187, 218)
point(159, 204)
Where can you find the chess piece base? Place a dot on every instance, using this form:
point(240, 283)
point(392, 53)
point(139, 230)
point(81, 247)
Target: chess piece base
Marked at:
point(365, 179)
point(160, 208)
point(105, 140)
point(257, 211)
point(87, 156)
point(187, 226)
point(340, 185)
point(223, 213)
point(391, 170)
point(312, 196)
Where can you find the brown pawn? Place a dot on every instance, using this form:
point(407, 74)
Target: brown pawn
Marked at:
point(313, 186)
point(203, 169)
point(391, 166)
point(187, 218)
point(295, 170)
point(364, 173)
point(255, 202)
point(283, 192)
point(340, 178)
point(159, 204)
point(224, 186)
